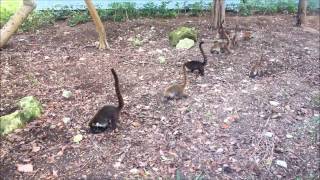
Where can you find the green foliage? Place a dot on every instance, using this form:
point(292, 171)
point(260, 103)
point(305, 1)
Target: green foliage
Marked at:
point(62, 14)
point(7, 9)
point(250, 7)
point(37, 19)
point(197, 8)
point(149, 9)
point(78, 17)
point(121, 11)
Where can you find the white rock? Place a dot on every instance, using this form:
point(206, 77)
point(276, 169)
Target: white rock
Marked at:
point(289, 136)
point(25, 167)
point(281, 163)
point(268, 134)
point(66, 120)
point(134, 171)
point(220, 150)
point(46, 57)
point(274, 103)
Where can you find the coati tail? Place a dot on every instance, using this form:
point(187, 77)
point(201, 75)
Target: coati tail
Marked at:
point(184, 76)
point(203, 54)
point(116, 85)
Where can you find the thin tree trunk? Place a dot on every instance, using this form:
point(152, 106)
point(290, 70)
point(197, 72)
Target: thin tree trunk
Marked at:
point(302, 12)
point(15, 21)
point(217, 13)
point(99, 26)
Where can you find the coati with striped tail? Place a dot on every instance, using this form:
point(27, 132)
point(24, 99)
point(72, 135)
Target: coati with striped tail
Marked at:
point(108, 115)
point(176, 91)
point(258, 68)
point(197, 65)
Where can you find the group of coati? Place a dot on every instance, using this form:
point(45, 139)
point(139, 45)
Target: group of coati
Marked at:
point(108, 116)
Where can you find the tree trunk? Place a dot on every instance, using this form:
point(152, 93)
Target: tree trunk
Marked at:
point(302, 12)
point(217, 13)
point(99, 26)
point(15, 21)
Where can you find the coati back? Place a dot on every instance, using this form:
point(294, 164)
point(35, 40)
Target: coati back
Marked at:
point(257, 69)
point(197, 65)
point(221, 45)
point(176, 91)
point(108, 115)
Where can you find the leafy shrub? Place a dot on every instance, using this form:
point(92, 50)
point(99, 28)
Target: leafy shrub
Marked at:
point(7, 9)
point(149, 9)
point(37, 19)
point(78, 17)
point(122, 11)
point(63, 13)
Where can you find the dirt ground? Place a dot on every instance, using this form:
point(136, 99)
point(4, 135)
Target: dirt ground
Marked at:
point(229, 126)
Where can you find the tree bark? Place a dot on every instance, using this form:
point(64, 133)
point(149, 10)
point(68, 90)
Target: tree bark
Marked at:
point(217, 13)
point(99, 26)
point(15, 21)
point(302, 12)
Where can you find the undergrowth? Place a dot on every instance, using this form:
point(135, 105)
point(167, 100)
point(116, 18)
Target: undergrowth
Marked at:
point(122, 11)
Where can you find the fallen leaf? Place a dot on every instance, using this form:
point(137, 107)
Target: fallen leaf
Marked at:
point(35, 148)
point(25, 167)
point(77, 138)
point(225, 126)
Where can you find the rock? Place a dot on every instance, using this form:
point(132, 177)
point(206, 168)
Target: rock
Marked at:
point(66, 120)
point(29, 108)
point(162, 60)
point(274, 103)
point(289, 136)
point(185, 43)
point(66, 94)
point(219, 151)
point(181, 33)
point(281, 163)
point(134, 171)
point(25, 167)
point(268, 134)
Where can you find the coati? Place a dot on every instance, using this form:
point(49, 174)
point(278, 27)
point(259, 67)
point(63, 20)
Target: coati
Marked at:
point(221, 45)
point(235, 35)
point(176, 91)
point(257, 69)
point(197, 65)
point(108, 115)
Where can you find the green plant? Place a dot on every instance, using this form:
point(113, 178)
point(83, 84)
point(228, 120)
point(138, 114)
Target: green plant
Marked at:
point(7, 9)
point(197, 8)
point(122, 11)
point(37, 19)
point(62, 13)
point(149, 9)
point(78, 17)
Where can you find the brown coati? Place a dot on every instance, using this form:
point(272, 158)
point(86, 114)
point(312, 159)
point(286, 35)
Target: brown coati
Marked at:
point(176, 91)
point(108, 115)
point(221, 46)
point(258, 68)
point(197, 65)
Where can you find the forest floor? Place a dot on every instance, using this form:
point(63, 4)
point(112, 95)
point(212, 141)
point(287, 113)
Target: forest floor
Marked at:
point(229, 126)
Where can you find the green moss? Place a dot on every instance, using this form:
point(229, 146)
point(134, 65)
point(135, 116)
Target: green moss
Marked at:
point(30, 108)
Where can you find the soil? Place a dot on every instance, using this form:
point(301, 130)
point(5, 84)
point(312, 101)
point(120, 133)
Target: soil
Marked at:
point(229, 127)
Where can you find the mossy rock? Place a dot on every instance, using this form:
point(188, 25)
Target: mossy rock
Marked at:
point(29, 109)
point(185, 43)
point(182, 33)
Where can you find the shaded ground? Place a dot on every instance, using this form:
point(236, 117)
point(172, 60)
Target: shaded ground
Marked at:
point(217, 132)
